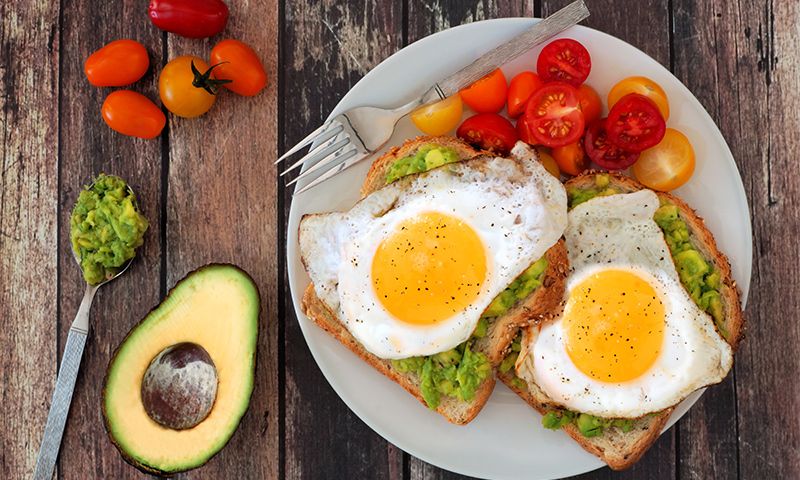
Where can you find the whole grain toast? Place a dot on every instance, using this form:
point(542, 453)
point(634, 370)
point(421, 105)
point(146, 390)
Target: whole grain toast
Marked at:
point(501, 331)
point(621, 449)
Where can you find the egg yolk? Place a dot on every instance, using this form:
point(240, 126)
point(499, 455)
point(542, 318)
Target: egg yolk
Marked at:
point(613, 325)
point(431, 267)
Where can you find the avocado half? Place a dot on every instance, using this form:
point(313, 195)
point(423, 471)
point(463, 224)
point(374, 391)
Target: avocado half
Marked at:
point(217, 307)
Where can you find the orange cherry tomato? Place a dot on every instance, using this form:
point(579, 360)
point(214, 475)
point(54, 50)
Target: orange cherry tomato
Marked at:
point(520, 90)
point(239, 63)
point(187, 92)
point(133, 114)
point(549, 162)
point(440, 117)
point(589, 101)
point(570, 158)
point(487, 95)
point(642, 86)
point(117, 64)
point(668, 165)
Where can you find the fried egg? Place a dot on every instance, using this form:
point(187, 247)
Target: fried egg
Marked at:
point(410, 268)
point(630, 340)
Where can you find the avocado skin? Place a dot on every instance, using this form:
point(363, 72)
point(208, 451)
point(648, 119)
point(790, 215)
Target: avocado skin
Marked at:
point(125, 456)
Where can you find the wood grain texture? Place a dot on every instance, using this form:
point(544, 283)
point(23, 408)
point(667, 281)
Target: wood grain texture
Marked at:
point(327, 46)
point(28, 225)
point(89, 147)
point(221, 207)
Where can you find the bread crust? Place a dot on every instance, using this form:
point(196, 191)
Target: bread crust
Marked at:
point(618, 449)
point(501, 331)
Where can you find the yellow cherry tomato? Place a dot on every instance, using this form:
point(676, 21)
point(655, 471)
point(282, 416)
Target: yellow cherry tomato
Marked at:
point(185, 91)
point(642, 86)
point(549, 162)
point(440, 117)
point(668, 165)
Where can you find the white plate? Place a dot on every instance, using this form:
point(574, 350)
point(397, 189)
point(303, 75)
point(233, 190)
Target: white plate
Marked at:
point(506, 440)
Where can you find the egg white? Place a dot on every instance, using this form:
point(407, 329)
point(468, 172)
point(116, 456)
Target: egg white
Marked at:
point(515, 206)
point(618, 232)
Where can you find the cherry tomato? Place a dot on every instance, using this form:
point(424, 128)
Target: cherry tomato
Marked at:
point(668, 165)
point(554, 116)
point(524, 130)
point(570, 158)
point(603, 152)
point(489, 131)
point(642, 86)
point(590, 103)
point(549, 163)
point(117, 64)
point(635, 124)
point(189, 18)
point(520, 90)
point(487, 95)
point(440, 117)
point(133, 114)
point(185, 91)
point(239, 63)
point(564, 60)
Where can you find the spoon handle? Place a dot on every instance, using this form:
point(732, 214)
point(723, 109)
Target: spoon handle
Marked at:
point(65, 384)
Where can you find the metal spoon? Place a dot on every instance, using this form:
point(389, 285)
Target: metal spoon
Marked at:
point(65, 383)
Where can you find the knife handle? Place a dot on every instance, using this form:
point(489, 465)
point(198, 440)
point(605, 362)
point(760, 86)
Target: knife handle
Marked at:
point(62, 396)
point(546, 28)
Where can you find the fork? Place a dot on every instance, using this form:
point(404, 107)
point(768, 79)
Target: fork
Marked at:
point(356, 134)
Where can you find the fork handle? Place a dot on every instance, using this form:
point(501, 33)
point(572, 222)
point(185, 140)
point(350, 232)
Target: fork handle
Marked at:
point(550, 26)
point(65, 385)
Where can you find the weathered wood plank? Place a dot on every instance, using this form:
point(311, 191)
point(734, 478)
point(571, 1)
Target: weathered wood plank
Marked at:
point(742, 61)
point(29, 45)
point(221, 207)
point(89, 147)
point(327, 46)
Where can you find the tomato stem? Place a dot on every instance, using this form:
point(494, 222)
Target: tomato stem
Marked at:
point(204, 80)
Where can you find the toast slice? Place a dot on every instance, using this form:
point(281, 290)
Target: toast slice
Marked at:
point(501, 330)
point(617, 448)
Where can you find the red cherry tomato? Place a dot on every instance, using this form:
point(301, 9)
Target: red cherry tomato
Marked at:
point(524, 130)
point(487, 95)
point(117, 64)
point(133, 114)
point(238, 62)
point(520, 90)
point(564, 60)
point(554, 115)
point(590, 103)
point(489, 131)
point(635, 123)
point(603, 152)
point(189, 18)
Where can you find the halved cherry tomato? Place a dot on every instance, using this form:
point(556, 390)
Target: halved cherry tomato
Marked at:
point(564, 60)
point(187, 86)
point(570, 158)
point(590, 104)
point(549, 163)
point(440, 117)
point(117, 64)
point(237, 62)
point(635, 124)
point(554, 117)
point(603, 152)
point(668, 165)
point(489, 131)
point(520, 90)
point(487, 95)
point(642, 86)
point(133, 114)
point(189, 18)
point(524, 130)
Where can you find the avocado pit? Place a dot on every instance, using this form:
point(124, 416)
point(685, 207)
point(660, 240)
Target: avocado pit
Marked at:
point(180, 386)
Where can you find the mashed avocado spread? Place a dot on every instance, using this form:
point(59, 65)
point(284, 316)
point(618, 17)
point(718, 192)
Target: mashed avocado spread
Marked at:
point(426, 157)
point(105, 228)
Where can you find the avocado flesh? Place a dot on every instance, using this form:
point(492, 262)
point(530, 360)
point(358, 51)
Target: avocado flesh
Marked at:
point(217, 307)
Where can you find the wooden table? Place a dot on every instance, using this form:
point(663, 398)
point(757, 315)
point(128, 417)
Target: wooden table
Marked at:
point(210, 190)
